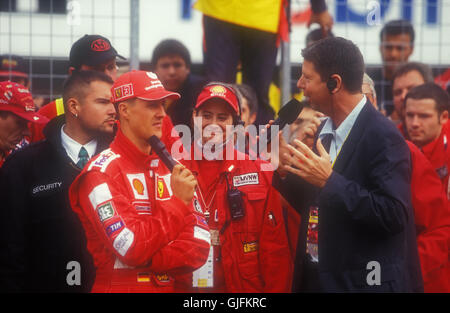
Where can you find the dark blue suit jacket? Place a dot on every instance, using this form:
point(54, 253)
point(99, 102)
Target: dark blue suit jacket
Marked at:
point(365, 212)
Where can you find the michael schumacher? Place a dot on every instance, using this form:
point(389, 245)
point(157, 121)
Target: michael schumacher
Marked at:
point(141, 225)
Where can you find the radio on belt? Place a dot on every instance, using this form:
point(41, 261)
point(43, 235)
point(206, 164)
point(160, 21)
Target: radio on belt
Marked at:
point(235, 201)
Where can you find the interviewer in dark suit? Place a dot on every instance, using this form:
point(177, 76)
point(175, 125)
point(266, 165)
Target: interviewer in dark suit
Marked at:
point(360, 188)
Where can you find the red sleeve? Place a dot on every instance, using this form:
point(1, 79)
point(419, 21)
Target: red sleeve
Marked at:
point(432, 216)
point(37, 130)
point(139, 236)
point(188, 251)
point(275, 257)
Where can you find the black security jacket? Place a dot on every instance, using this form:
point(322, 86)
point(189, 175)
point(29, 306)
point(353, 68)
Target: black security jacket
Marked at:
point(42, 241)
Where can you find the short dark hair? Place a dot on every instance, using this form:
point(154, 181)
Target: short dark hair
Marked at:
point(337, 55)
point(170, 47)
point(423, 69)
point(431, 91)
point(397, 27)
point(77, 83)
point(316, 35)
point(249, 94)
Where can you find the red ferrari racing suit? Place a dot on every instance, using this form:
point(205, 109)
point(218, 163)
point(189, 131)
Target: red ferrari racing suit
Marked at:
point(138, 233)
point(250, 254)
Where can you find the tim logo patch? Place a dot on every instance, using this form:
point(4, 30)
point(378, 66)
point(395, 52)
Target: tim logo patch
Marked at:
point(111, 229)
point(246, 179)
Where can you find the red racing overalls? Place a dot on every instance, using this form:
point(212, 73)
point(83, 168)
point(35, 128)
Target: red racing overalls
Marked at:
point(138, 233)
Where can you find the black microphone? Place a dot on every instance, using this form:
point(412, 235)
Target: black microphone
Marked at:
point(287, 115)
point(160, 149)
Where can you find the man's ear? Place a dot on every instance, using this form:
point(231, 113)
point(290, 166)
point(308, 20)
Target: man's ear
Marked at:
point(71, 69)
point(444, 117)
point(73, 106)
point(338, 85)
point(122, 110)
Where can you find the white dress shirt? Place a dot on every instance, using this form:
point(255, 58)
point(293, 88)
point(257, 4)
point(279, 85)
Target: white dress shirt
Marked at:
point(340, 134)
point(73, 148)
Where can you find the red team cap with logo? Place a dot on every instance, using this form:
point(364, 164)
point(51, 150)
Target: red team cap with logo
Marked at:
point(218, 91)
point(142, 85)
point(92, 50)
point(16, 98)
point(12, 66)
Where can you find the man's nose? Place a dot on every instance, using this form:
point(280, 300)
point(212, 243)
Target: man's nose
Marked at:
point(415, 121)
point(172, 70)
point(161, 113)
point(300, 83)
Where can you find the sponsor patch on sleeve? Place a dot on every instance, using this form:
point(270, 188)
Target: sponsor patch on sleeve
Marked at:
point(99, 194)
point(105, 211)
point(201, 221)
point(114, 227)
point(246, 179)
point(202, 234)
point(123, 241)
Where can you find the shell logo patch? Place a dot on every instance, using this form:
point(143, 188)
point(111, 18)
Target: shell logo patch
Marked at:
point(138, 185)
point(9, 63)
point(218, 91)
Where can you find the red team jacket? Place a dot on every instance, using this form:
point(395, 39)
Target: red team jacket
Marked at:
point(438, 153)
point(139, 235)
point(252, 254)
point(432, 219)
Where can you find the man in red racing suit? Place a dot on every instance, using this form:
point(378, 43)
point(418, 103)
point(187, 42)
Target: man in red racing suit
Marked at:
point(249, 249)
point(140, 222)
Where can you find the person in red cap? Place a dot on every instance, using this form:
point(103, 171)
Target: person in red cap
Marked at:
point(12, 69)
point(16, 110)
point(249, 251)
point(43, 242)
point(140, 220)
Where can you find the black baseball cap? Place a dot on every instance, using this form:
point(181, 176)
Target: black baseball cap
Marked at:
point(92, 50)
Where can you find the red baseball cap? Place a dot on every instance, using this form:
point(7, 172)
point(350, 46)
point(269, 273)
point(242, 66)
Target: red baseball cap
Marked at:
point(12, 66)
point(16, 98)
point(221, 92)
point(142, 85)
